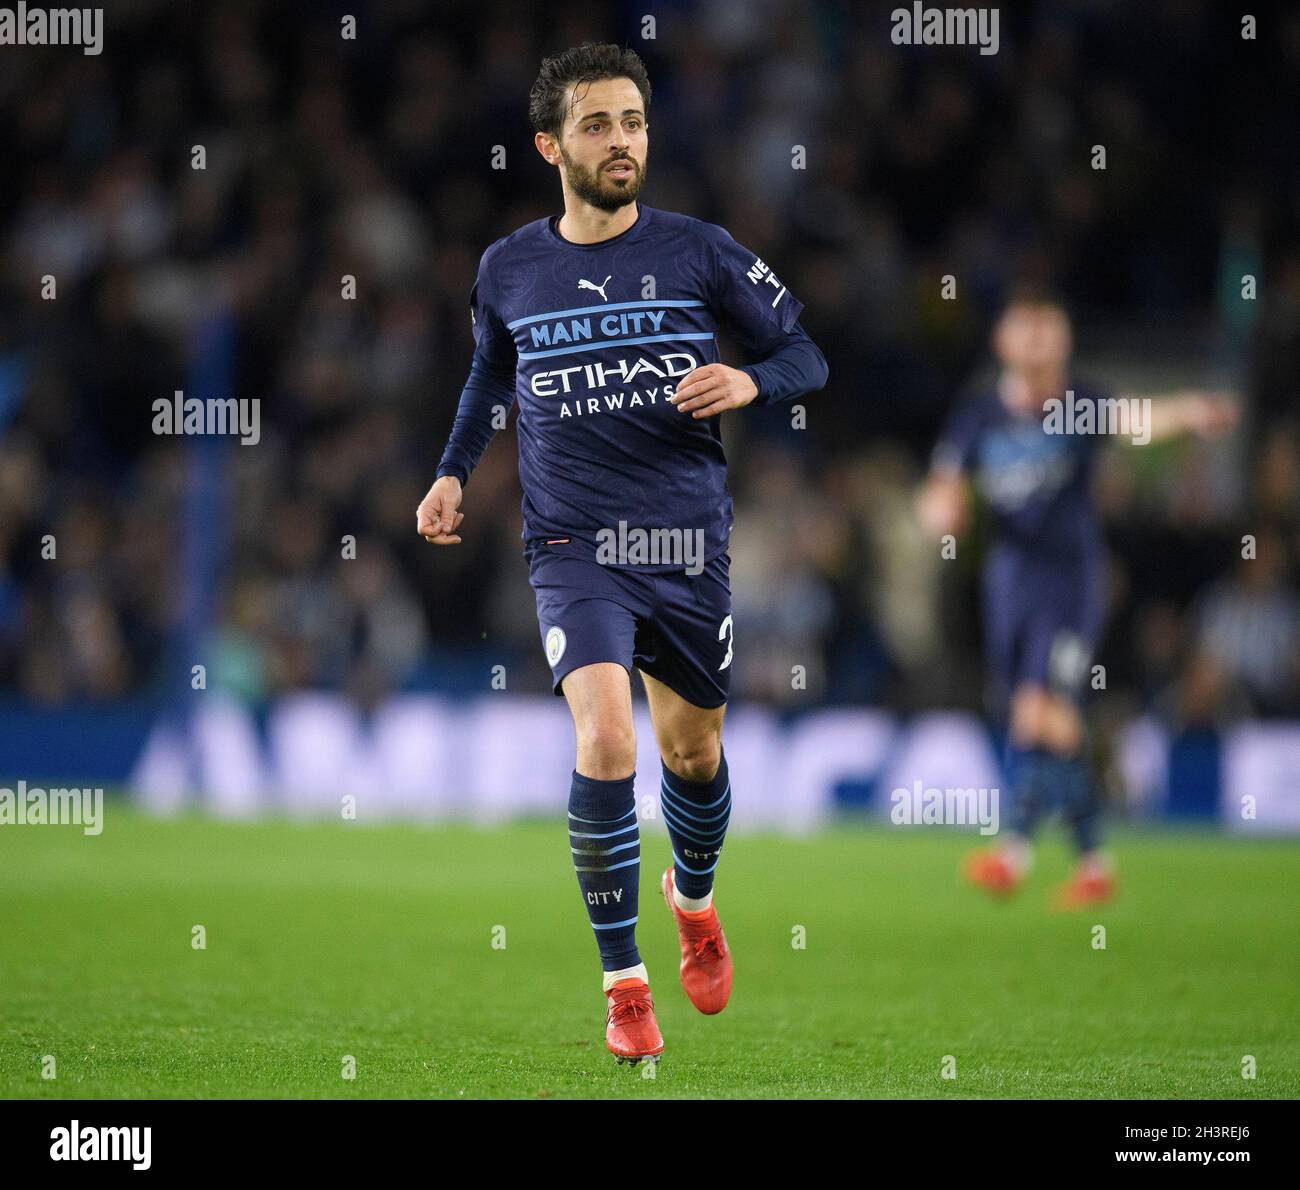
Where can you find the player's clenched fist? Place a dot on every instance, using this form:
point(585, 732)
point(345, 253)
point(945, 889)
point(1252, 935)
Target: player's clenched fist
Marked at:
point(713, 389)
point(437, 518)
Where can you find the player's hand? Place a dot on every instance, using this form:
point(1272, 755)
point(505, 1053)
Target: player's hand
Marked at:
point(713, 389)
point(437, 518)
point(942, 504)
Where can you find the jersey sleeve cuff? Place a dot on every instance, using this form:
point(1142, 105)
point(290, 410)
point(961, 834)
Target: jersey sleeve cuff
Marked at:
point(760, 398)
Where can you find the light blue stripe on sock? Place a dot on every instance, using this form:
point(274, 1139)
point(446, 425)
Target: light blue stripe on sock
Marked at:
point(602, 821)
point(673, 793)
point(627, 863)
point(607, 851)
point(666, 793)
point(687, 832)
point(606, 835)
point(693, 871)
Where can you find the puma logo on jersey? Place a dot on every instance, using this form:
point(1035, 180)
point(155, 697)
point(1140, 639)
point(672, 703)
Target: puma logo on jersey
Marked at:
point(583, 283)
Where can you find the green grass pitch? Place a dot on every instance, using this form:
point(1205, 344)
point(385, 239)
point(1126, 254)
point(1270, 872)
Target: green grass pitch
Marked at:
point(328, 940)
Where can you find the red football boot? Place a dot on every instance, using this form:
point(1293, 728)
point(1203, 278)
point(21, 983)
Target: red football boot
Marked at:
point(631, 1032)
point(1083, 889)
point(991, 871)
point(706, 958)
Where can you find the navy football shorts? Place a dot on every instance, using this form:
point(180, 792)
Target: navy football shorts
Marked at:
point(1042, 621)
point(674, 626)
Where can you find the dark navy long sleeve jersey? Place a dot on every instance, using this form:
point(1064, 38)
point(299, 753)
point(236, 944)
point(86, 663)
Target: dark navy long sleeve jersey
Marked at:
point(569, 332)
point(1037, 484)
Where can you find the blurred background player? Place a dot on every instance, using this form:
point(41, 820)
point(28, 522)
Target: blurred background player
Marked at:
point(1044, 577)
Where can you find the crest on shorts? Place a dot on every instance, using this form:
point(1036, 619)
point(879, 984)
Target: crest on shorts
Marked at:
point(1067, 663)
point(555, 642)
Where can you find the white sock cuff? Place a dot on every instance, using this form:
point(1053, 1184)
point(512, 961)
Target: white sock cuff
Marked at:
point(612, 977)
point(692, 904)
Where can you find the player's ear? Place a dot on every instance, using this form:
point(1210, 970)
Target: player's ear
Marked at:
point(547, 147)
point(996, 335)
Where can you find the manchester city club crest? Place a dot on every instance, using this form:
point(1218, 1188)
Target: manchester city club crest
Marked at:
point(555, 642)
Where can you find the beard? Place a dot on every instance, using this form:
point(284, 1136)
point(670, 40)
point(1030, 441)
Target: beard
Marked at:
point(596, 188)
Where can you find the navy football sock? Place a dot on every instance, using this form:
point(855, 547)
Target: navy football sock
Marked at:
point(605, 839)
point(696, 814)
point(1033, 791)
point(1079, 801)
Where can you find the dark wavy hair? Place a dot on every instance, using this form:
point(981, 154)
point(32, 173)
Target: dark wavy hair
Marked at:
point(586, 63)
point(1034, 294)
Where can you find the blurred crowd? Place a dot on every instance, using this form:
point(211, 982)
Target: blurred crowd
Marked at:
point(373, 158)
